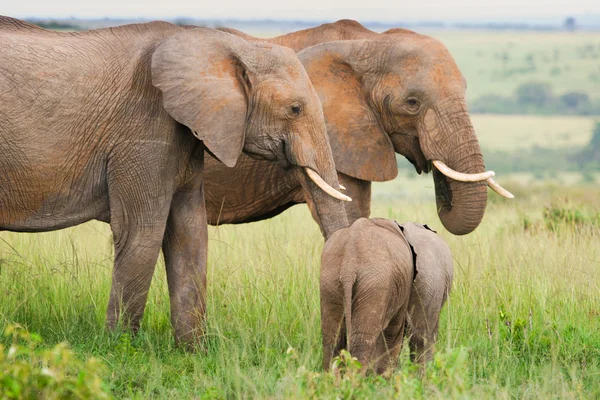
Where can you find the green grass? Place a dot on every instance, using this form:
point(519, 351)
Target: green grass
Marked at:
point(522, 321)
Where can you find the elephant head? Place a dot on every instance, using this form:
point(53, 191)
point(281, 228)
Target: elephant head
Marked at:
point(236, 95)
point(402, 92)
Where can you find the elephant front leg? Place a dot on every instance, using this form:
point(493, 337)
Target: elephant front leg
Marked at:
point(138, 233)
point(185, 251)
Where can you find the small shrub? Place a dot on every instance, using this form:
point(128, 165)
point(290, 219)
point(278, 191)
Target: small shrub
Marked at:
point(557, 217)
point(28, 373)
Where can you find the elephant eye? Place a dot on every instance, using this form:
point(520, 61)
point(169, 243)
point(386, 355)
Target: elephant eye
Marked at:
point(296, 110)
point(412, 102)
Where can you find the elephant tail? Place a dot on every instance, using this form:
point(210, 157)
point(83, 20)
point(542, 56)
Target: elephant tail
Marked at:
point(348, 285)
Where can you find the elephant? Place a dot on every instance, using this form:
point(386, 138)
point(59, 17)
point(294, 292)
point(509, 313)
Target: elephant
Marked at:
point(430, 288)
point(113, 125)
point(382, 94)
point(380, 281)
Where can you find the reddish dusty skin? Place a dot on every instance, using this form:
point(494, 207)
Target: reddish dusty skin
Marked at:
point(366, 85)
point(105, 125)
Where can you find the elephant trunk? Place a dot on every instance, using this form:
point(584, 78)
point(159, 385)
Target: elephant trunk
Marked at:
point(316, 173)
point(452, 140)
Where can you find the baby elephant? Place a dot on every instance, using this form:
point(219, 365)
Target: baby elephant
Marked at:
point(386, 279)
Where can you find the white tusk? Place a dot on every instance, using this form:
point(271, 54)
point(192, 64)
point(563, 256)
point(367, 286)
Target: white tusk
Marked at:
point(342, 187)
point(499, 189)
point(462, 177)
point(325, 186)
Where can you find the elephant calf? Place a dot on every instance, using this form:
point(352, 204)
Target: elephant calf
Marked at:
point(387, 279)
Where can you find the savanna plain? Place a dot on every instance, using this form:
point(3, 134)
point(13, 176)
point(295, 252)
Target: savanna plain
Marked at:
point(522, 321)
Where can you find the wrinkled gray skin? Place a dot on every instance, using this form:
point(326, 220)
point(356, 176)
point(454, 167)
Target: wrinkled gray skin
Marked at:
point(369, 300)
point(366, 275)
point(113, 124)
point(429, 290)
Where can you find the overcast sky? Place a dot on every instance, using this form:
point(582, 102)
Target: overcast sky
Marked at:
point(366, 10)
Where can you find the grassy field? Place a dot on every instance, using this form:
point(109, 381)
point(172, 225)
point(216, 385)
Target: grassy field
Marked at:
point(523, 319)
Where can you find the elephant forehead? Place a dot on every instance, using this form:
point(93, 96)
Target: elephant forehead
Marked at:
point(446, 76)
point(267, 53)
point(282, 89)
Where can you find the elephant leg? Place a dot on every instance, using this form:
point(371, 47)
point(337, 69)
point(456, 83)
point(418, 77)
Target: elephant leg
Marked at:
point(360, 192)
point(138, 228)
point(333, 330)
point(185, 251)
point(363, 346)
point(423, 329)
point(390, 344)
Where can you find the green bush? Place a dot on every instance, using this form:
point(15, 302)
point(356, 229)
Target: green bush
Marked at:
point(26, 373)
point(559, 217)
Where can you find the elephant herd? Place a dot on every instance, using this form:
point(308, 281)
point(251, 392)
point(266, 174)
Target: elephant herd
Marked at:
point(159, 130)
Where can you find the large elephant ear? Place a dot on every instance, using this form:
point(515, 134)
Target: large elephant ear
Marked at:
point(205, 86)
point(360, 146)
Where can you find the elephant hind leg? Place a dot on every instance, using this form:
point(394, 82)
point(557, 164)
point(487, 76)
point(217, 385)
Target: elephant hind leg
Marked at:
point(185, 250)
point(422, 340)
point(333, 330)
point(390, 343)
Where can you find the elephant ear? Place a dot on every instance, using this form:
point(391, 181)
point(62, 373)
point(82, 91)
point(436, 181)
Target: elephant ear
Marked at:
point(204, 86)
point(412, 250)
point(360, 146)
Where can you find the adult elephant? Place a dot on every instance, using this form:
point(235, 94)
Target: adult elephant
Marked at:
point(113, 124)
point(398, 92)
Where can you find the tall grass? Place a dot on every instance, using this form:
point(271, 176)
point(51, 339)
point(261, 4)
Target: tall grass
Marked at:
point(523, 319)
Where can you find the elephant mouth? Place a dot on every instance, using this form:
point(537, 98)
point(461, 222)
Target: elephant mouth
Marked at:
point(276, 151)
point(409, 146)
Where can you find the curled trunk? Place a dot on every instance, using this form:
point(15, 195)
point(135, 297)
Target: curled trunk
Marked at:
point(460, 205)
point(451, 139)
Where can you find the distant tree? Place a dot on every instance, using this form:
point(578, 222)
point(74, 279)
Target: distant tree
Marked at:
point(534, 93)
point(494, 104)
point(574, 100)
point(570, 24)
point(589, 157)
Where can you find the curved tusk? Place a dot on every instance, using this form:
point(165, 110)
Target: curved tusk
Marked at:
point(462, 177)
point(325, 186)
point(342, 187)
point(499, 189)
